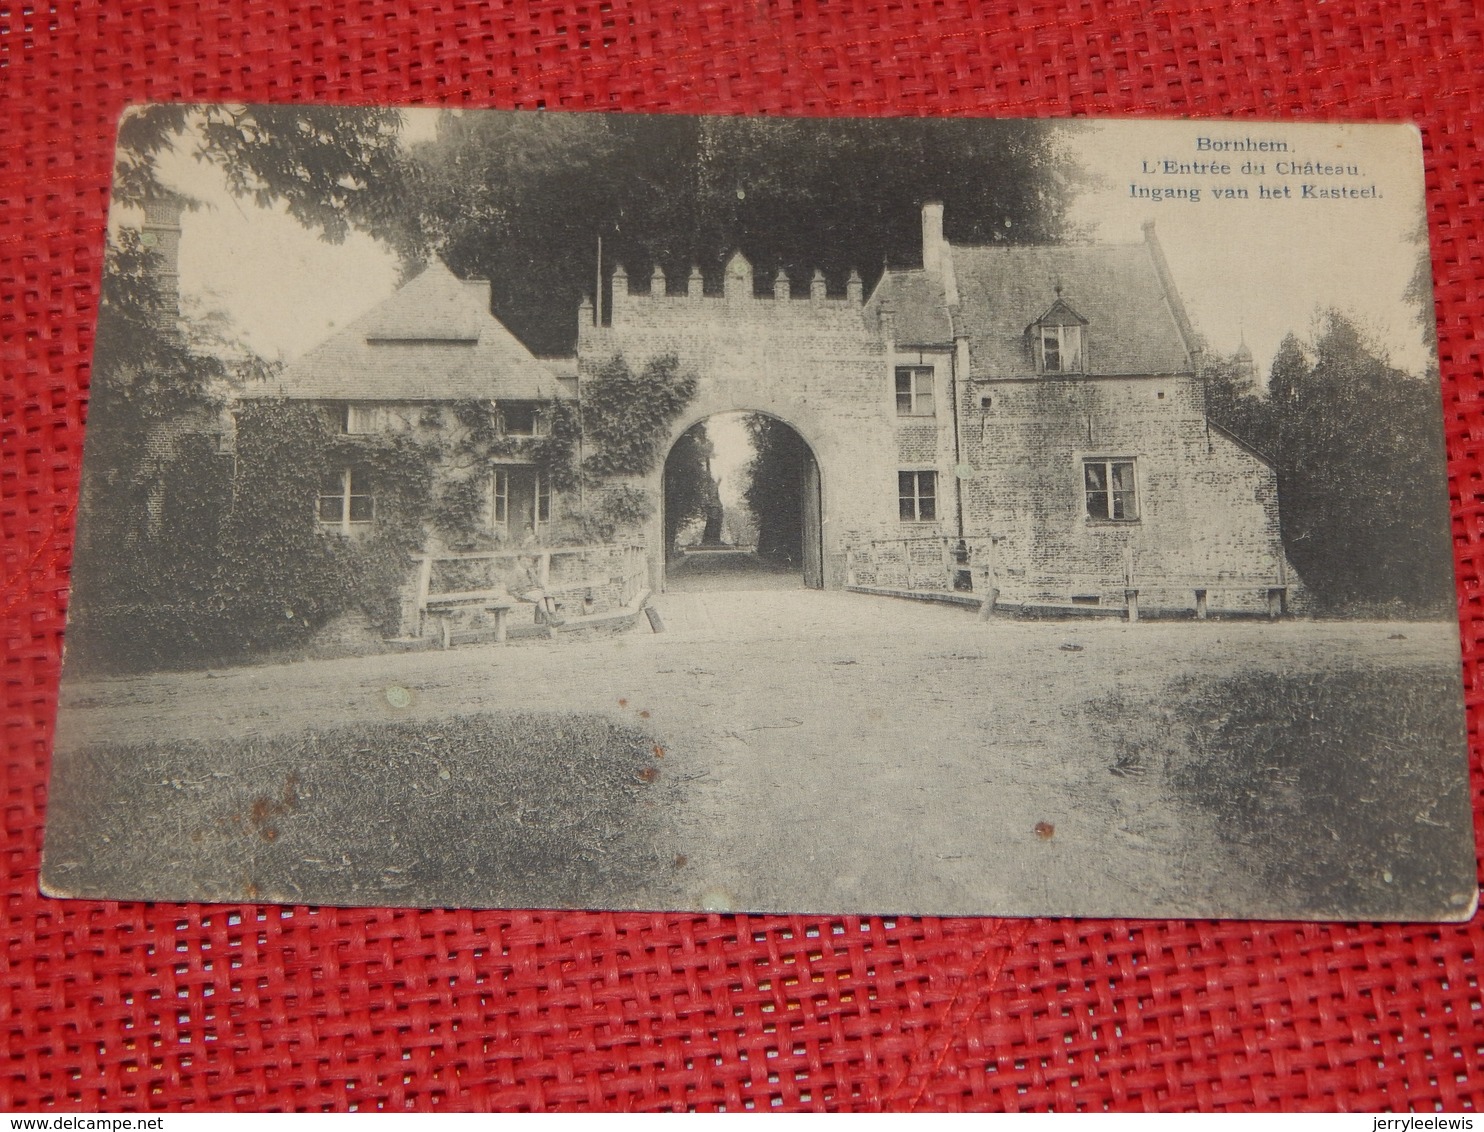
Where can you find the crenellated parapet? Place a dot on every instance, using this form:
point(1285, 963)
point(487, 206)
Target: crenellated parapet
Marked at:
point(636, 300)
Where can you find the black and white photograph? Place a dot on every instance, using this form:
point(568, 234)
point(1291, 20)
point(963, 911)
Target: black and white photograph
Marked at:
point(899, 516)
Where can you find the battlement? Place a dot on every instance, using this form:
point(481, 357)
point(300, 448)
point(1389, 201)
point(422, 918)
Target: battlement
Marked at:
point(641, 300)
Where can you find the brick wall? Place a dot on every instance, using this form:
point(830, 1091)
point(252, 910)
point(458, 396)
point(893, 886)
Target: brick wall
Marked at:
point(810, 361)
point(1207, 506)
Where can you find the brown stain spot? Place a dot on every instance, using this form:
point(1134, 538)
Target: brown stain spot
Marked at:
point(252, 891)
point(648, 774)
point(1045, 830)
point(681, 860)
point(659, 752)
point(623, 703)
point(264, 808)
point(644, 714)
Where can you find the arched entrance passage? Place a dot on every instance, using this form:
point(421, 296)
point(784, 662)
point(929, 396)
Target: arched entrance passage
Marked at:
point(741, 506)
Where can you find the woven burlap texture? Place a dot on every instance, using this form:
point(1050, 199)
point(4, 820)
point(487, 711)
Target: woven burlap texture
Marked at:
point(171, 1007)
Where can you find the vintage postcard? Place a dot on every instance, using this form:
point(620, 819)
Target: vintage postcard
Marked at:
point(636, 512)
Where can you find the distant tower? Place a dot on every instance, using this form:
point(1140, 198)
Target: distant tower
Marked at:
point(160, 234)
point(1245, 366)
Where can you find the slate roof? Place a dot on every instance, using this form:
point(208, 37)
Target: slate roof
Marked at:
point(434, 339)
point(919, 312)
point(1133, 326)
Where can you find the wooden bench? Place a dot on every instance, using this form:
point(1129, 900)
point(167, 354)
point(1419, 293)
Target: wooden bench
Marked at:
point(444, 606)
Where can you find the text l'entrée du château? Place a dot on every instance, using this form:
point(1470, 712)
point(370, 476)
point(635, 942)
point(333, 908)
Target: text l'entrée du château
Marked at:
point(1276, 175)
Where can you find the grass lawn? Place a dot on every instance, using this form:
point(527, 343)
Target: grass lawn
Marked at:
point(543, 810)
point(1332, 790)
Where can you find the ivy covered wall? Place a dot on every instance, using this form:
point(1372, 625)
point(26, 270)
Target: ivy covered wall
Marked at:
point(235, 555)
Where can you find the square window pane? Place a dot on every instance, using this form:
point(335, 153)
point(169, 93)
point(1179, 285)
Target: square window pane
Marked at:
point(331, 508)
point(362, 508)
point(1096, 475)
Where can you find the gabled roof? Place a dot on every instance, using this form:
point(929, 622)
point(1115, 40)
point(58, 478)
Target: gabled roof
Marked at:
point(1059, 314)
point(919, 311)
point(1135, 323)
point(434, 339)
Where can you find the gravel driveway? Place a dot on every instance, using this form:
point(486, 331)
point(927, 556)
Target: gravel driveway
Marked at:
point(837, 752)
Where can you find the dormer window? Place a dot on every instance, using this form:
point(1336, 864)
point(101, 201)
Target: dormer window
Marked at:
point(1059, 340)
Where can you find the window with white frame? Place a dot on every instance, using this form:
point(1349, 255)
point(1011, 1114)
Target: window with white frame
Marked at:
point(917, 497)
point(1110, 490)
point(520, 500)
point(1061, 349)
point(1059, 339)
point(543, 498)
point(520, 418)
point(358, 419)
point(915, 391)
point(500, 500)
point(346, 499)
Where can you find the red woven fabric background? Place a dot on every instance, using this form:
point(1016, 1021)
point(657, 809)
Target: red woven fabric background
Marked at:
point(132, 1006)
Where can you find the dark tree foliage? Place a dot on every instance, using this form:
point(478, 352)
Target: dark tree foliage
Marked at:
point(690, 491)
point(775, 488)
point(154, 489)
point(1362, 482)
point(332, 167)
point(1420, 291)
point(522, 199)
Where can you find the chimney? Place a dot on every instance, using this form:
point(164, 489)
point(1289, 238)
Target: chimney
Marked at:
point(937, 256)
point(160, 234)
point(618, 292)
point(585, 317)
point(934, 249)
point(657, 282)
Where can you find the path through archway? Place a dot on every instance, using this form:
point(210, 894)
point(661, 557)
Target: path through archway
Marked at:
point(742, 507)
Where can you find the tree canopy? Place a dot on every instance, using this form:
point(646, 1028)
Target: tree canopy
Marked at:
point(522, 199)
point(1362, 482)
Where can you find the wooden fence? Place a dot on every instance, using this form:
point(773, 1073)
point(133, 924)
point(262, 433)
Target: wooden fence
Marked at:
point(575, 581)
point(928, 564)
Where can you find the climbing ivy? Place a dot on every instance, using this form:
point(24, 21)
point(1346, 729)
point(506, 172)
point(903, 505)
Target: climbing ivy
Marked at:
point(627, 416)
point(289, 574)
point(480, 440)
point(246, 565)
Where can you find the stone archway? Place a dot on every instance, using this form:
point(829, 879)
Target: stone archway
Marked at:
point(789, 529)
